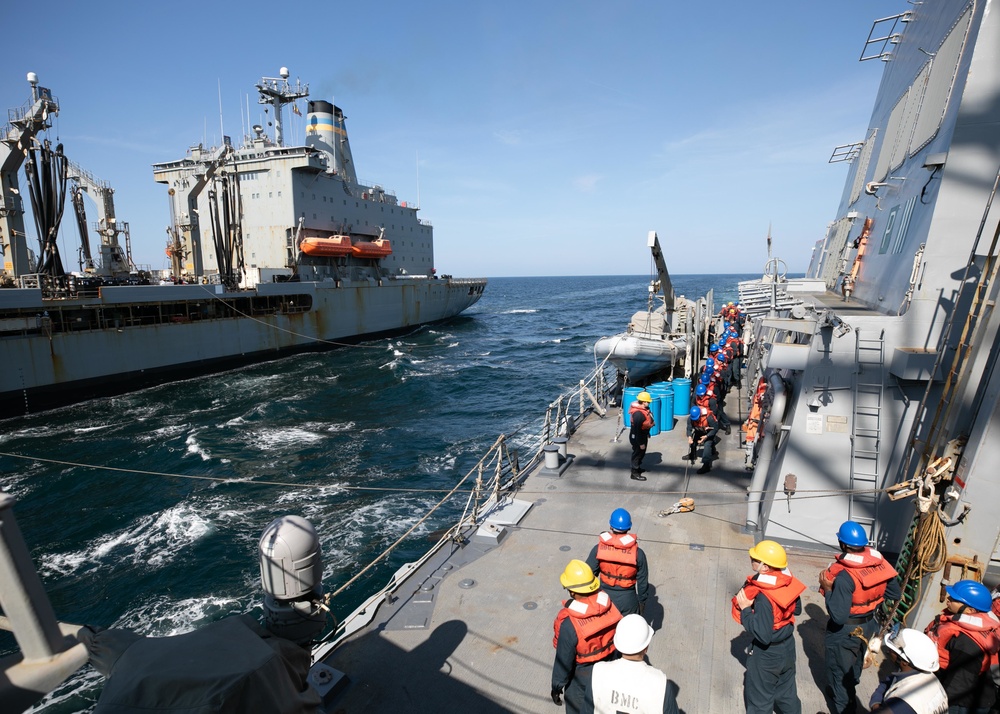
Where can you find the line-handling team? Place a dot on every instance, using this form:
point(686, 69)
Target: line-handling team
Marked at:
point(601, 637)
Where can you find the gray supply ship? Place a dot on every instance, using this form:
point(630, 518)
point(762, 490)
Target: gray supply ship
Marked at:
point(274, 249)
point(870, 392)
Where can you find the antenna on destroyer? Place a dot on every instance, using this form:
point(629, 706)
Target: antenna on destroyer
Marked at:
point(277, 92)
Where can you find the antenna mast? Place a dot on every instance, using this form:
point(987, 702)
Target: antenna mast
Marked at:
point(277, 92)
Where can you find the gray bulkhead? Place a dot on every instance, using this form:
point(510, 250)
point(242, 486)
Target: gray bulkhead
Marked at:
point(925, 177)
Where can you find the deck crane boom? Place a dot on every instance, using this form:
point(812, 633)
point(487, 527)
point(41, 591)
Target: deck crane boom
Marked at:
point(662, 284)
point(115, 261)
point(185, 227)
point(16, 137)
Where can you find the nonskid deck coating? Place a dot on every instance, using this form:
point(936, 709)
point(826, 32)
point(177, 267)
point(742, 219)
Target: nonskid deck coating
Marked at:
point(487, 644)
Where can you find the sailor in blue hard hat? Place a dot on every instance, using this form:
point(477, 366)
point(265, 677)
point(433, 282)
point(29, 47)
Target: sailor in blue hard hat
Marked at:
point(854, 585)
point(967, 636)
point(621, 564)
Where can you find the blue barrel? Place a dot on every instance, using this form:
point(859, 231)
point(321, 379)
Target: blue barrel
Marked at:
point(628, 396)
point(654, 409)
point(682, 396)
point(665, 392)
point(666, 420)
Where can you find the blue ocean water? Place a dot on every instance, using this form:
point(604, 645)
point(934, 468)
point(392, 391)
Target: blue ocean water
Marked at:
point(119, 542)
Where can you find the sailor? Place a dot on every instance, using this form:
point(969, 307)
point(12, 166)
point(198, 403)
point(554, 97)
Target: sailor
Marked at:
point(620, 564)
point(766, 606)
point(638, 435)
point(701, 429)
point(854, 586)
point(629, 685)
point(704, 396)
point(847, 287)
point(913, 689)
point(584, 631)
point(967, 635)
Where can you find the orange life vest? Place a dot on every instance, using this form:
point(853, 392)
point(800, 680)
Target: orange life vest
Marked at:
point(594, 618)
point(983, 628)
point(870, 574)
point(616, 557)
point(701, 423)
point(754, 420)
point(780, 588)
point(637, 410)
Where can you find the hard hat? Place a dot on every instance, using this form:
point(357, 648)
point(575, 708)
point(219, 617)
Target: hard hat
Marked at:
point(714, 347)
point(851, 533)
point(632, 635)
point(701, 390)
point(705, 378)
point(730, 303)
point(915, 647)
point(695, 413)
point(644, 397)
point(770, 553)
point(726, 324)
point(579, 578)
point(621, 520)
point(710, 362)
point(972, 593)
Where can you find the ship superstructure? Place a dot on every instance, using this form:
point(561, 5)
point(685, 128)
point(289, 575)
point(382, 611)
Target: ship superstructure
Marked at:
point(273, 249)
point(882, 374)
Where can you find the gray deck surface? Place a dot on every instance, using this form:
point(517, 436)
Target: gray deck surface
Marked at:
point(488, 647)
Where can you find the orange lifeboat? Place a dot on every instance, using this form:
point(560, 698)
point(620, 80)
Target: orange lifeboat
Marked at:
point(326, 247)
point(372, 249)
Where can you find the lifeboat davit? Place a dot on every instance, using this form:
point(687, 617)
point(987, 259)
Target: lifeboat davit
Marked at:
point(326, 247)
point(372, 249)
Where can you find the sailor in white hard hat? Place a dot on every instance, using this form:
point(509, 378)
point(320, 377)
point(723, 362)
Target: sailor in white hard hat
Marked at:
point(629, 684)
point(913, 688)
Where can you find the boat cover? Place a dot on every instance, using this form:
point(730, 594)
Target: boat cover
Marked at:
point(649, 323)
point(231, 667)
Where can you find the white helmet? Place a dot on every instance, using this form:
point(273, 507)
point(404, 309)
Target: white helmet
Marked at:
point(915, 647)
point(632, 635)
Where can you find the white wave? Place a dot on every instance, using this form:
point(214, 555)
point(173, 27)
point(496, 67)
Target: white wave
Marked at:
point(521, 312)
point(337, 427)
point(193, 447)
point(86, 682)
point(152, 540)
point(163, 617)
point(86, 429)
point(164, 433)
point(265, 440)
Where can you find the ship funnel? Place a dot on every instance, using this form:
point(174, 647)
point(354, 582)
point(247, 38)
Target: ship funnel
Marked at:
point(291, 572)
point(326, 131)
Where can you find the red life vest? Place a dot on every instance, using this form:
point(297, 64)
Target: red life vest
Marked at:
point(870, 574)
point(701, 423)
point(639, 411)
point(983, 628)
point(702, 401)
point(616, 557)
point(594, 618)
point(780, 588)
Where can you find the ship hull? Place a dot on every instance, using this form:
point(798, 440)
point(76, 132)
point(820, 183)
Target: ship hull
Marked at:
point(59, 352)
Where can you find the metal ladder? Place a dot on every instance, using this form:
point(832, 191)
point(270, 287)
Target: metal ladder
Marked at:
point(866, 430)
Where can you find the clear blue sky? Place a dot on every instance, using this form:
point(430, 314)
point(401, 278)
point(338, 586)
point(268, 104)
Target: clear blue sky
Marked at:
point(550, 136)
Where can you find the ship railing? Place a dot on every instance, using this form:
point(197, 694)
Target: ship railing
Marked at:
point(495, 479)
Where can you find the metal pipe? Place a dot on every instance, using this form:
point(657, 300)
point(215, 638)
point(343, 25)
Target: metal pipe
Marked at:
point(760, 475)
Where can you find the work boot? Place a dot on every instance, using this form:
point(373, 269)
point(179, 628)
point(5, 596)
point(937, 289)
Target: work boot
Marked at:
point(637, 477)
point(705, 468)
point(729, 429)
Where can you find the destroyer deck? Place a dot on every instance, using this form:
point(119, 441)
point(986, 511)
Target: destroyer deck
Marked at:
point(472, 630)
